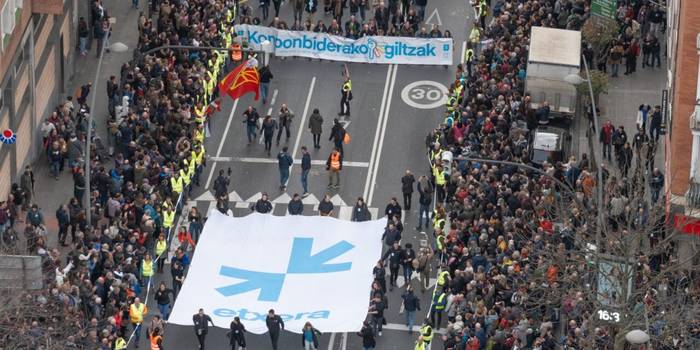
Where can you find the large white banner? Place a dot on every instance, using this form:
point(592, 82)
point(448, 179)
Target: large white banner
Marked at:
point(306, 268)
point(372, 49)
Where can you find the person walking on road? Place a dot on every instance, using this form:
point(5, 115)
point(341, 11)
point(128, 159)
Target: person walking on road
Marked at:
point(309, 337)
point(345, 96)
point(284, 161)
point(268, 129)
point(425, 191)
point(407, 189)
point(285, 122)
point(237, 334)
point(337, 135)
point(367, 334)
point(334, 164)
point(606, 136)
point(201, 326)
point(411, 304)
point(137, 311)
point(655, 123)
point(265, 78)
point(250, 118)
point(274, 325)
point(305, 169)
point(315, 123)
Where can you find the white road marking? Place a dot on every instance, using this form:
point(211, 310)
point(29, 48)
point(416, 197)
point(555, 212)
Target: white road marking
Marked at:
point(221, 143)
point(424, 94)
point(274, 161)
point(381, 139)
point(402, 327)
point(464, 49)
point(302, 124)
point(331, 341)
point(274, 98)
point(435, 14)
point(377, 131)
point(344, 344)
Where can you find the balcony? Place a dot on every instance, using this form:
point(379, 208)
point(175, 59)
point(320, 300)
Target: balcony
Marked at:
point(695, 118)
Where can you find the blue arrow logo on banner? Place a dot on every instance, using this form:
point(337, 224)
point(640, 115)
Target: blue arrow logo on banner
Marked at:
point(270, 284)
point(301, 260)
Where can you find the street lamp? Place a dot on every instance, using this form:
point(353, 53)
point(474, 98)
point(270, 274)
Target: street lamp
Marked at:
point(115, 47)
point(576, 79)
point(637, 337)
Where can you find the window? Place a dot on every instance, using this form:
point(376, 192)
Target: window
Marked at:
point(8, 17)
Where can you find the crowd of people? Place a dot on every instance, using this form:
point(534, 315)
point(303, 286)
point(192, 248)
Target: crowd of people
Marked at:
point(508, 275)
point(493, 224)
point(393, 18)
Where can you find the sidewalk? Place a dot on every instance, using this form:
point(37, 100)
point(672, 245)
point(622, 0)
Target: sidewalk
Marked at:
point(621, 103)
point(50, 193)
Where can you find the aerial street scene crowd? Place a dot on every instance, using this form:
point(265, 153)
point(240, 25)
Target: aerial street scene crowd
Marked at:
point(350, 174)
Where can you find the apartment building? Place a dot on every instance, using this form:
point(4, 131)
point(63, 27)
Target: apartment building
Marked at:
point(36, 63)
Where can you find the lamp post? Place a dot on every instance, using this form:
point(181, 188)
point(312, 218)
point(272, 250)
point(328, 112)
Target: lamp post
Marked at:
point(576, 79)
point(115, 47)
point(637, 337)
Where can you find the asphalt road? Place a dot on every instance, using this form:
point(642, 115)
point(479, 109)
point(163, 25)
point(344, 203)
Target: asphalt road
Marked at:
point(387, 138)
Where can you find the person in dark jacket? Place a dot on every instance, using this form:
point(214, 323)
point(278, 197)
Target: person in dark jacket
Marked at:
point(360, 212)
point(263, 205)
point(269, 126)
point(393, 209)
point(305, 169)
point(393, 255)
point(63, 218)
point(295, 206)
point(201, 326)
point(285, 161)
point(315, 123)
point(162, 298)
point(407, 260)
point(325, 207)
point(391, 235)
point(337, 135)
point(274, 325)
point(367, 334)
point(309, 337)
point(411, 304)
point(425, 190)
point(265, 78)
point(407, 189)
point(237, 334)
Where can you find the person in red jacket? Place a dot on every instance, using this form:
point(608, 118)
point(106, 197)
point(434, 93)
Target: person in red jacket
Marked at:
point(606, 133)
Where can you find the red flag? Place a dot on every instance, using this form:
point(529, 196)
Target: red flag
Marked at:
point(243, 79)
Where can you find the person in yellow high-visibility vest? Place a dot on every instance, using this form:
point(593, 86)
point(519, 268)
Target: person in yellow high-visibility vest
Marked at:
point(176, 184)
point(443, 279)
point(161, 246)
point(198, 154)
point(440, 182)
point(420, 344)
point(469, 57)
point(168, 218)
point(200, 113)
point(426, 333)
point(199, 133)
point(119, 343)
point(146, 268)
point(137, 311)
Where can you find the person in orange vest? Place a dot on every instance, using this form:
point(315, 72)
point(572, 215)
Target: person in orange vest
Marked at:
point(334, 164)
point(156, 339)
point(137, 311)
point(236, 53)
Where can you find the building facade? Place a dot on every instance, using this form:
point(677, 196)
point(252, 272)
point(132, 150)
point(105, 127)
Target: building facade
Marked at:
point(36, 64)
point(682, 138)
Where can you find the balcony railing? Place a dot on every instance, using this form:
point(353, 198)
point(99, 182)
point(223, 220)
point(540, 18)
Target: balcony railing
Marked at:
point(695, 118)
